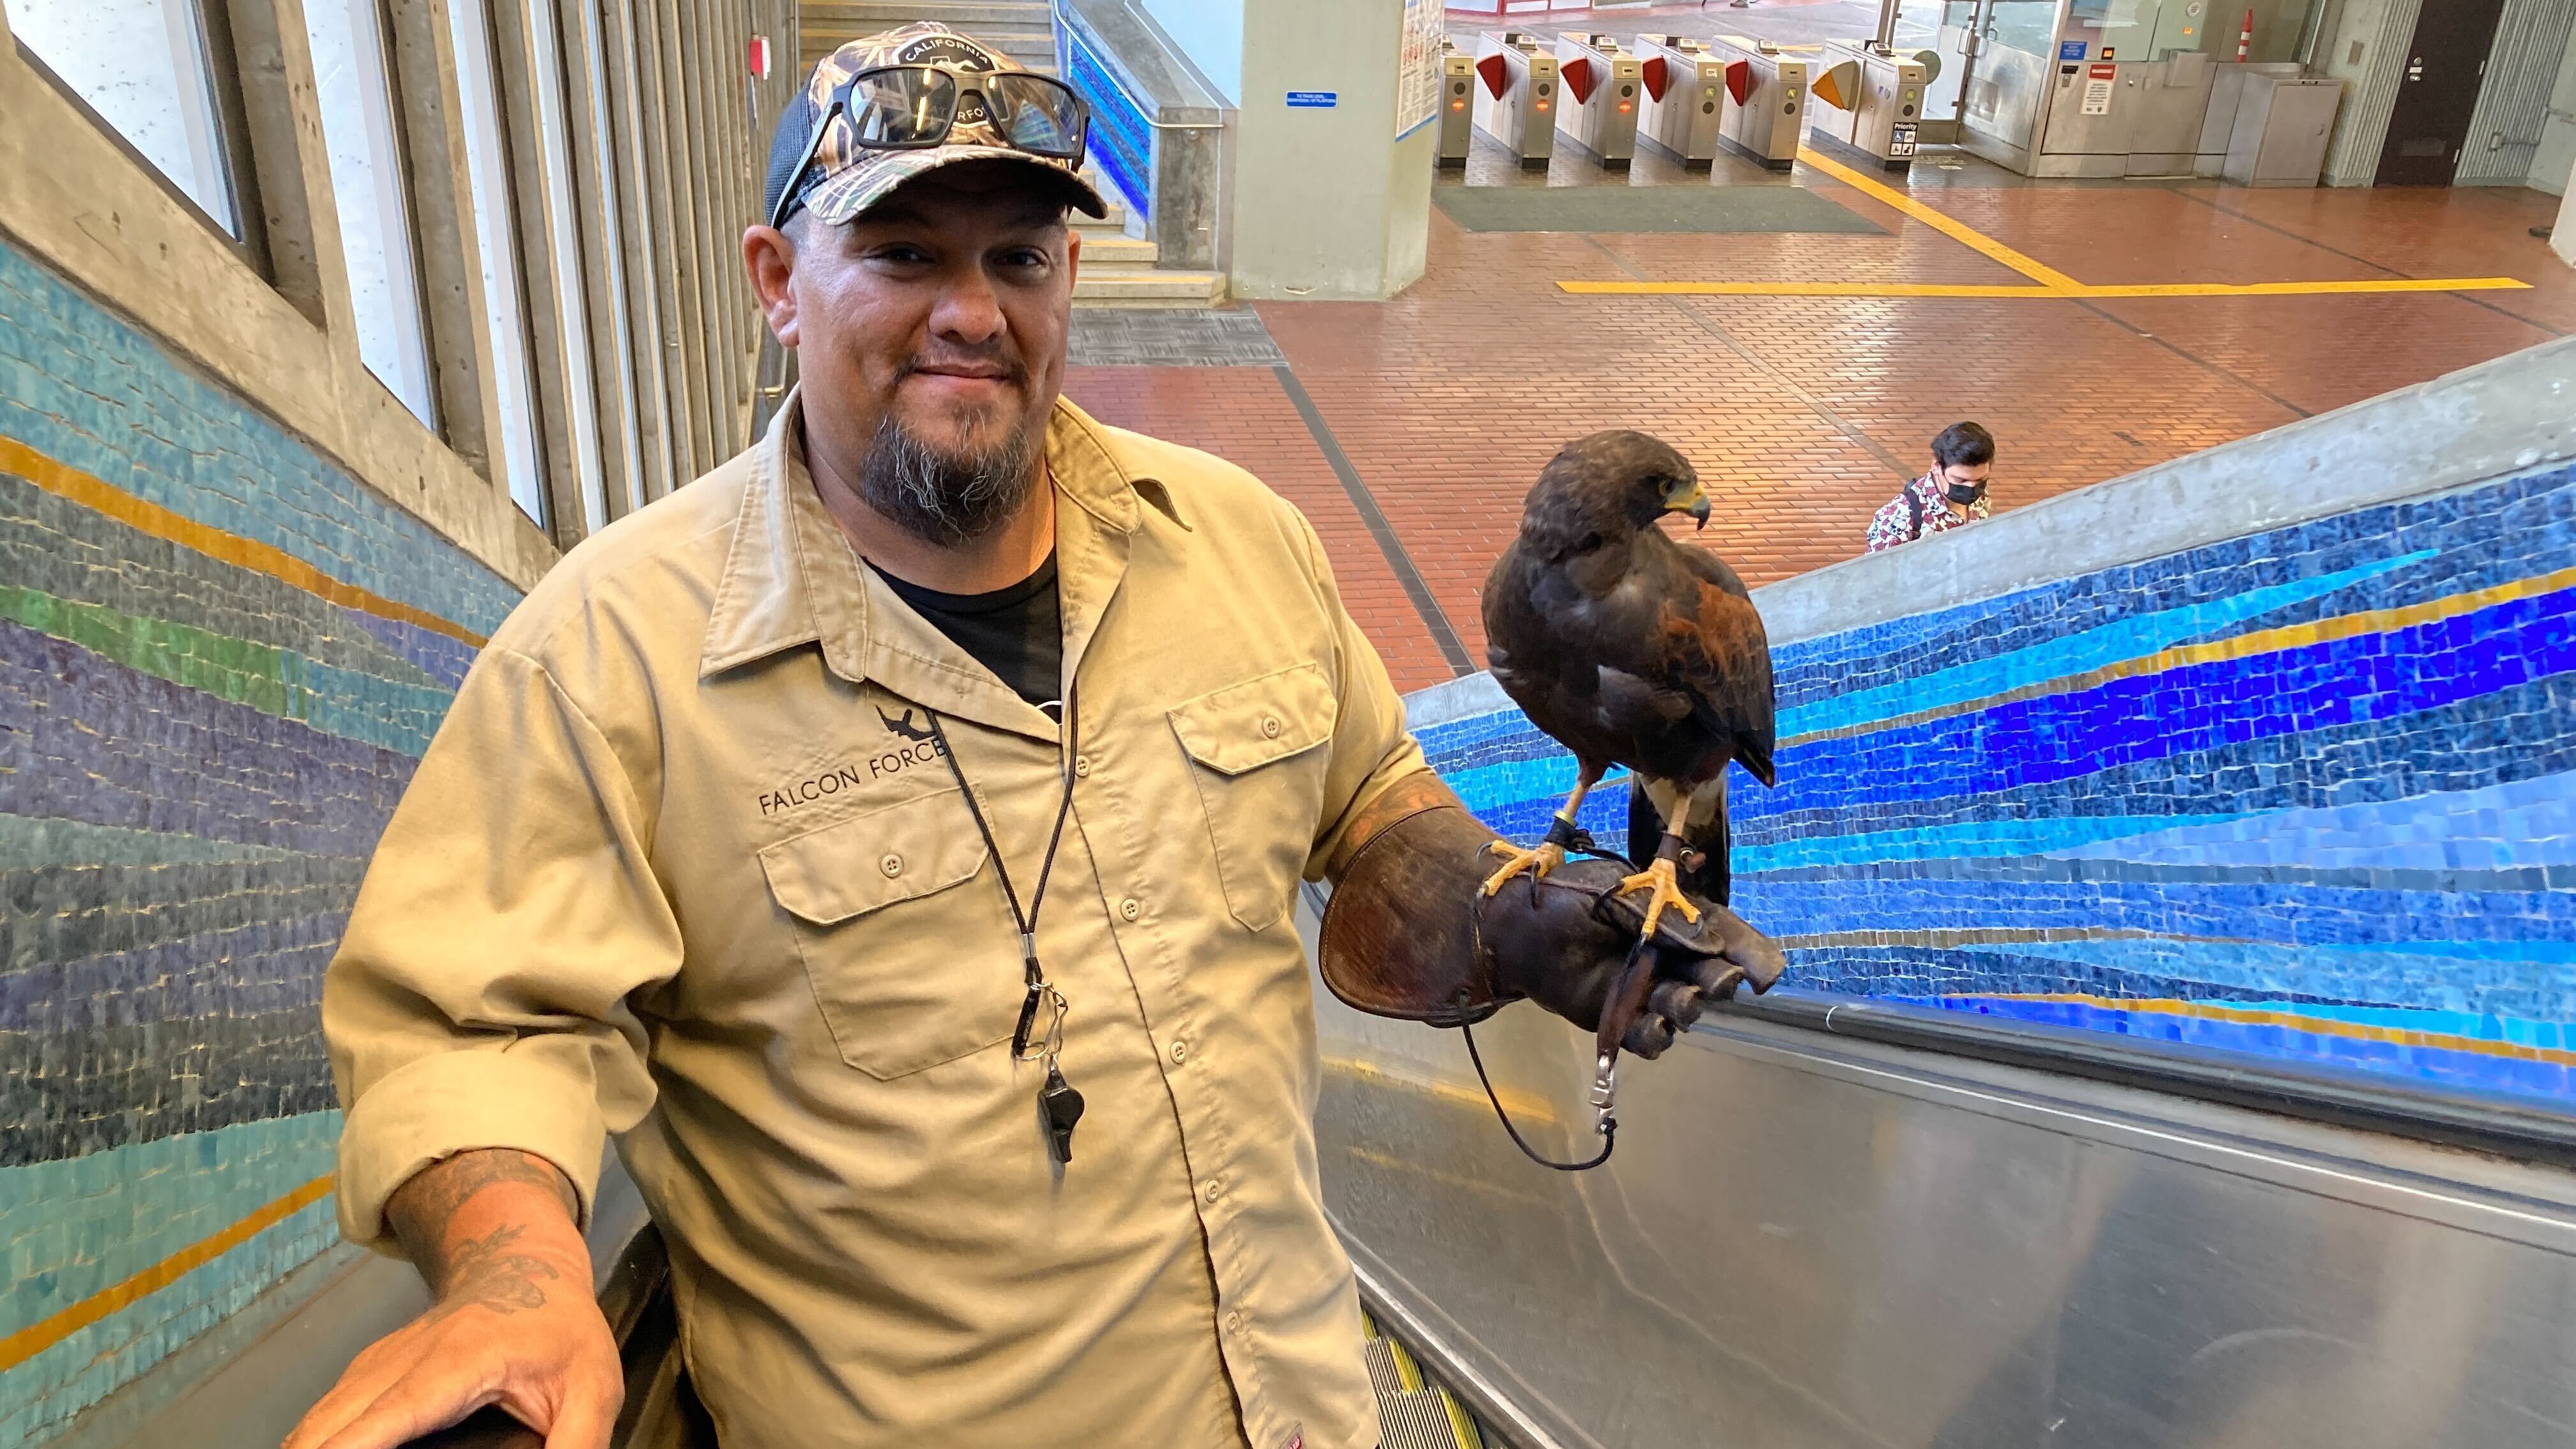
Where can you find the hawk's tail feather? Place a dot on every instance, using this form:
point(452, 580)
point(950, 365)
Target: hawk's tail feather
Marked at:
point(1756, 760)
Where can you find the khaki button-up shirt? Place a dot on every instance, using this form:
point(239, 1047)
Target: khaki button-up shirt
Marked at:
point(685, 865)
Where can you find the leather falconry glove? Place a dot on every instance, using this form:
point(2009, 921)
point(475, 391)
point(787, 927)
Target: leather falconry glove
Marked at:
point(1409, 933)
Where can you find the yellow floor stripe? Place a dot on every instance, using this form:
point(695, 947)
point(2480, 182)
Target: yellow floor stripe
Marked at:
point(34, 1339)
point(1942, 222)
point(2007, 292)
point(2313, 1025)
point(2053, 285)
point(65, 481)
point(2308, 289)
point(2010, 293)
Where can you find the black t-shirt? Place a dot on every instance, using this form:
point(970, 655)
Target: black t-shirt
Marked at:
point(1017, 632)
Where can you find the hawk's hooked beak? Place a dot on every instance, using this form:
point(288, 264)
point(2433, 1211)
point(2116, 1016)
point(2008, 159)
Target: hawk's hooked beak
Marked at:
point(1685, 497)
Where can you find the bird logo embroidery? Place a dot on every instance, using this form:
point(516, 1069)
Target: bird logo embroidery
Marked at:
point(904, 726)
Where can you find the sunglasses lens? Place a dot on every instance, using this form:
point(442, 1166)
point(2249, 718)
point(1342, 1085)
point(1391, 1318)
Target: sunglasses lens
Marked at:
point(1034, 114)
point(904, 106)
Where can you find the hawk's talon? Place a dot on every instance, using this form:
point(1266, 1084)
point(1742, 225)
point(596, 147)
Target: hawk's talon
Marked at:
point(1662, 890)
point(1546, 857)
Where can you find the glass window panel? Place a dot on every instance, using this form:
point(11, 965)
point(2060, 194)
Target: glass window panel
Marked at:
point(556, 145)
point(613, 235)
point(142, 65)
point(2029, 26)
point(355, 87)
point(495, 227)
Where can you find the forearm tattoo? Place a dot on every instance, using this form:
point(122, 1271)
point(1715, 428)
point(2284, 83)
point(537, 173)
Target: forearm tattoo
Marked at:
point(486, 1272)
point(423, 1210)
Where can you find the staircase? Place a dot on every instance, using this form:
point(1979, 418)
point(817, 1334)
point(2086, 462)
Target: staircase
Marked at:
point(1119, 270)
point(1024, 29)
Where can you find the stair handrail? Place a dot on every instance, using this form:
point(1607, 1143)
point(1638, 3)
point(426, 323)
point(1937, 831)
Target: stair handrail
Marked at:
point(1117, 75)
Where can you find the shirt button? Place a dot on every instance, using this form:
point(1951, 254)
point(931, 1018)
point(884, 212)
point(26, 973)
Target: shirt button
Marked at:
point(1130, 908)
point(892, 865)
point(1180, 1052)
point(1215, 1188)
point(1270, 728)
point(1082, 767)
point(1234, 1322)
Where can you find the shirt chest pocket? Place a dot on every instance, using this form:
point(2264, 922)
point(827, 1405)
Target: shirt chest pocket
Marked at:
point(1257, 757)
point(910, 951)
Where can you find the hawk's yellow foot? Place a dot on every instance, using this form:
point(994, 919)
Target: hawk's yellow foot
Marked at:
point(1658, 882)
point(1545, 857)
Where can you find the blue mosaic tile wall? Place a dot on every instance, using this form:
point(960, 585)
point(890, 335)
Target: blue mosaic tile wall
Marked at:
point(197, 753)
point(2309, 794)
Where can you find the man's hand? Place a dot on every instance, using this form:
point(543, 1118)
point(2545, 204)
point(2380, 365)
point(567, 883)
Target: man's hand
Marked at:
point(515, 1323)
point(1410, 932)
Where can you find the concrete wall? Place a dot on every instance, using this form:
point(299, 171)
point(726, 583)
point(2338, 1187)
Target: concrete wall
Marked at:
point(2366, 51)
point(2523, 68)
point(1210, 33)
point(239, 582)
point(1328, 203)
point(2555, 156)
point(2272, 748)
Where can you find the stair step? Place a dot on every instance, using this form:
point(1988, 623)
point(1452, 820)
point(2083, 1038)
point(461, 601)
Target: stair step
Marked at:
point(1105, 248)
point(1147, 286)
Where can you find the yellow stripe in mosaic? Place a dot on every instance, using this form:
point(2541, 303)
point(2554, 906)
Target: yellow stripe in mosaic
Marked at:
point(2294, 1021)
point(65, 481)
point(2241, 646)
point(36, 1337)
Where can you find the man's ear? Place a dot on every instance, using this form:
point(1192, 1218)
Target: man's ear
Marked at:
point(769, 257)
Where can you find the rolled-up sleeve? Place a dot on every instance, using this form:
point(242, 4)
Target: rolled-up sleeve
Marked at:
point(479, 997)
point(1371, 748)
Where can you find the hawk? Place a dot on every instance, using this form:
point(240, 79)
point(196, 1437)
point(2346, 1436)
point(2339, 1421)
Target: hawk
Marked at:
point(1629, 649)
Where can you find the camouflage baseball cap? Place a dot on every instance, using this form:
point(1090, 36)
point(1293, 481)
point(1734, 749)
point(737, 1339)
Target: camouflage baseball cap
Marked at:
point(845, 178)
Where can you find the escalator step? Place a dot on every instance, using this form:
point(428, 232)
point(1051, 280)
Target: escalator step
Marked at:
point(1414, 1412)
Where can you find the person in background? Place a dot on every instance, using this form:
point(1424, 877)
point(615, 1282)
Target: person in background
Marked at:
point(1951, 495)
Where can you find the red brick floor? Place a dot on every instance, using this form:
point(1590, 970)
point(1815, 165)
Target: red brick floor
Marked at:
point(1804, 415)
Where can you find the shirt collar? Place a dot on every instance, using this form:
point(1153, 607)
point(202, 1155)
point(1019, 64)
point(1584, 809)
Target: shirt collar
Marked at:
point(792, 579)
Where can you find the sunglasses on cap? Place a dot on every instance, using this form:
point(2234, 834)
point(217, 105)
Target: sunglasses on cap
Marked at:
point(915, 107)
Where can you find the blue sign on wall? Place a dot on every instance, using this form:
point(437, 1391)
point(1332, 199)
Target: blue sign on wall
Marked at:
point(2070, 50)
point(1313, 100)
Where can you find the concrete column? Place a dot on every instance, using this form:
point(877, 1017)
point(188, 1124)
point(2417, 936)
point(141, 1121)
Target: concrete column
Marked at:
point(1327, 203)
point(2562, 238)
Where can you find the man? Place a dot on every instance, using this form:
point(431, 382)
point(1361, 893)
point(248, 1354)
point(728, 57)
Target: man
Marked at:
point(891, 839)
point(1952, 495)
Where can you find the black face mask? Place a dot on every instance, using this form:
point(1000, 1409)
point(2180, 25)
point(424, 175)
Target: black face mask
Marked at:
point(1964, 493)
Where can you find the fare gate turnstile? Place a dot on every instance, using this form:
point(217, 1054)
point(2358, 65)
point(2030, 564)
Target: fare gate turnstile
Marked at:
point(1599, 108)
point(1764, 124)
point(1516, 95)
point(1687, 96)
point(1873, 103)
point(1457, 105)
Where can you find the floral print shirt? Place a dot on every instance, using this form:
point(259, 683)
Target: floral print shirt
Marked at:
point(1894, 524)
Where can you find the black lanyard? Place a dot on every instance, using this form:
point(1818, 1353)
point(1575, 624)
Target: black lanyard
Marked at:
point(1059, 1105)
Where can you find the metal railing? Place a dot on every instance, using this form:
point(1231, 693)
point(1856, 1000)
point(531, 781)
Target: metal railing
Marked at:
point(1117, 77)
